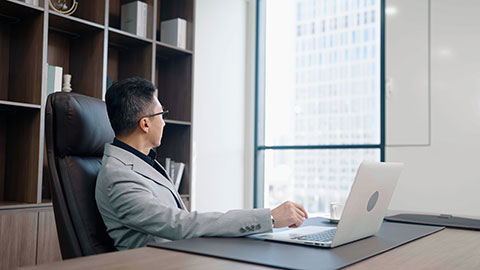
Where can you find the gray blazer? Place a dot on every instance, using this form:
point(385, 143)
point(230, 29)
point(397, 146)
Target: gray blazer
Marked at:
point(139, 205)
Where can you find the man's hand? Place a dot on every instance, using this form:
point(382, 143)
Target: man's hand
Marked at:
point(289, 214)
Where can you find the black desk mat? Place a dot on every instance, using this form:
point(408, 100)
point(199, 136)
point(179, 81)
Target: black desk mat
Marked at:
point(438, 220)
point(293, 256)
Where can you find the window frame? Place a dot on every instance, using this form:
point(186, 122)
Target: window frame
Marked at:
point(259, 114)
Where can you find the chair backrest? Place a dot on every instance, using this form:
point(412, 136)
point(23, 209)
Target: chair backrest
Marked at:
point(77, 128)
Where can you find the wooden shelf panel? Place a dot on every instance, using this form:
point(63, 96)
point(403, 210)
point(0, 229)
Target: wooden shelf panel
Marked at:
point(13, 205)
point(174, 83)
point(128, 56)
point(19, 155)
point(132, 59)
point(87, 11)
point(171, 9)
point(21, 47)
point(73, 44)
point(11, 105)
point(70, 25)
point(124, 39)
point(175, 143)
point(74, 54)
point(167, 51)
point(18, 237)
point(14, 10)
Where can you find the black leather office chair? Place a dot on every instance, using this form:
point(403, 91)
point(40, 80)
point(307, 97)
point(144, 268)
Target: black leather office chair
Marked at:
point(77, 128)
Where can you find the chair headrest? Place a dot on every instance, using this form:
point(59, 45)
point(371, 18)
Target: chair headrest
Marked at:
point(85, 123)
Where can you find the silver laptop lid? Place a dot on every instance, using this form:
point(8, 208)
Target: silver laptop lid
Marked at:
point(367, 202)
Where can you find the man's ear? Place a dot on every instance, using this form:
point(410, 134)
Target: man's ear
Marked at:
point(144, 124)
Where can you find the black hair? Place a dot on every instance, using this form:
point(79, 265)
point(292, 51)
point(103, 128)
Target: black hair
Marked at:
point(127, 100)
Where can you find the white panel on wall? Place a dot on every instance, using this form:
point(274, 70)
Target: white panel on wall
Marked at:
point(445, 177)
point(219, 105)
point(406, 40)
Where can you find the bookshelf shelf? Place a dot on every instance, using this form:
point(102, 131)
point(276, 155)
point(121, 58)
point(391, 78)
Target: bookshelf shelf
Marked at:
point(90, 46)
point(74, 53)
point(10, 105)
point(167, 51)
point(129, 62)
point(14, 205)
point(21, 73)
point(123, 38)
point(174, 80)
point(19, 155)
point(73, 25)
point(18, 9)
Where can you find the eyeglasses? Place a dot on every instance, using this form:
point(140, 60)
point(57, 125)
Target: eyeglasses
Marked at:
point(152, 115)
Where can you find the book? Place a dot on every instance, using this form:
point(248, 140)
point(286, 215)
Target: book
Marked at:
point(172, 171)
point(30, 2)
point(54, 79)
point(174, 32)
point(179, 168)
point(134, 18)
point(167, 165)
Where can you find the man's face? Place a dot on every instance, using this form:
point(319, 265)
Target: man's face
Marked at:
point(157, 123)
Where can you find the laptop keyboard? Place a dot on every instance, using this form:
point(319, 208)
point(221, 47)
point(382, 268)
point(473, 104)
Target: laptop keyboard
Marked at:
point(325, 236)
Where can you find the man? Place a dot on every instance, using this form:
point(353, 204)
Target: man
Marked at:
point(135, 196)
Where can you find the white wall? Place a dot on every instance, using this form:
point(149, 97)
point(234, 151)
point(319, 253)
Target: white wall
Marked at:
point(433, 104)
point(221, 113)
point(433, 123)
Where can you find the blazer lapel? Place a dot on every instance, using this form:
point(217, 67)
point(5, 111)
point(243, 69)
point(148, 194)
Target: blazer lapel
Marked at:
point(141, 167)
point(179, 198)
point(148, 171)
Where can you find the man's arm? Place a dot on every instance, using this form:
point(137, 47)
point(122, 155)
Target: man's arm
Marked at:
point(139, 209)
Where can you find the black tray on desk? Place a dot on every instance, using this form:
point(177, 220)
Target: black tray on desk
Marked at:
point(293, 256)
point(438, 220)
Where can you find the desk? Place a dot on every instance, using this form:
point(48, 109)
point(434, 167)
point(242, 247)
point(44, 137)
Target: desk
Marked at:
point(447, 249)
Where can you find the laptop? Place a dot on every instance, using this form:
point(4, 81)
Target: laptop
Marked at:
point(362, 215)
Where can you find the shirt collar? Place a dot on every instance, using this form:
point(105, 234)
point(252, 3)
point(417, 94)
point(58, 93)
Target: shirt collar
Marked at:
point(147, 158)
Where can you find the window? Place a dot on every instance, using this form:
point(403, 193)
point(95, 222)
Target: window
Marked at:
point(319, 109)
